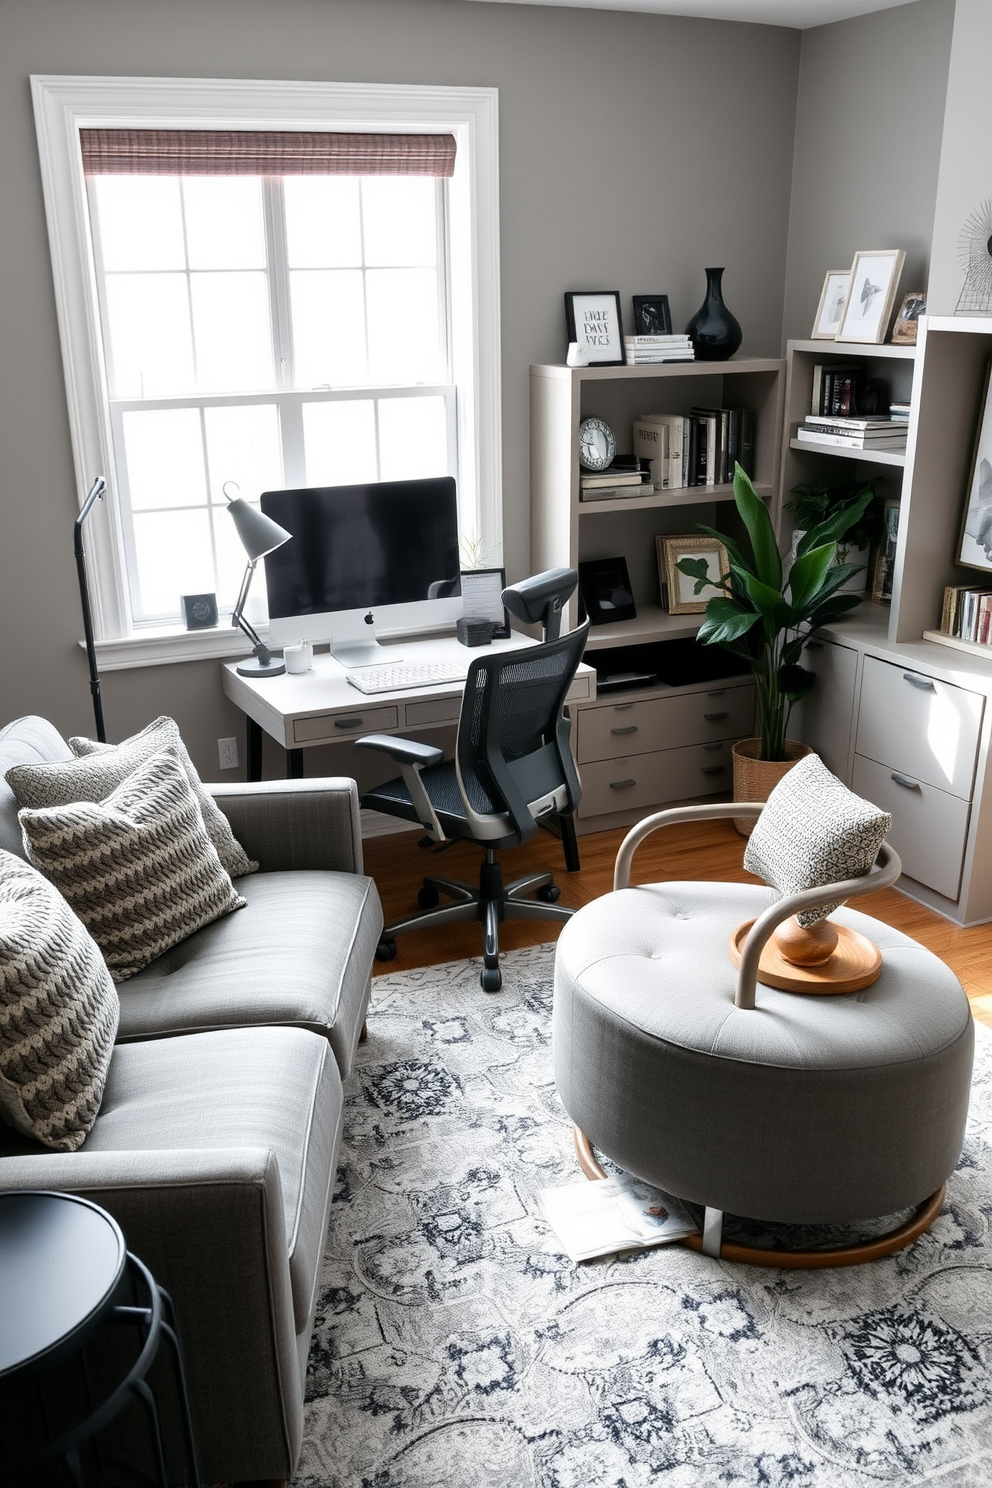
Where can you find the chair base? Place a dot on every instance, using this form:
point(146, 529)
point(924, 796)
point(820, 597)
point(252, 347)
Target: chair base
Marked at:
point(491, 902)
point(754, 1255)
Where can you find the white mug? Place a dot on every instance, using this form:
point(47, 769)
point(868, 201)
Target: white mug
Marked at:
point(577, 354)
point(298, 658)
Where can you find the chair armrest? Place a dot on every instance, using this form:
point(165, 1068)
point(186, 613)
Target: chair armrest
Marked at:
point(712, 812)
point(209, 1225)
point(403, 751)
point(293, 824)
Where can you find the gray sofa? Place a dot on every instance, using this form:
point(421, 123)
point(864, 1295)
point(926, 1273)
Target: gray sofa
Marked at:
point(217, 1139)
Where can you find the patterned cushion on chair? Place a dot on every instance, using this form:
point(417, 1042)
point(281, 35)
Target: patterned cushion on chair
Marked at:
point(138, 868)
point(814, 831)
point(58, 1012)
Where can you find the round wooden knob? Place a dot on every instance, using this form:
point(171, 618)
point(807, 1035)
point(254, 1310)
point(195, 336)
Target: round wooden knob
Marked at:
point(805, 945)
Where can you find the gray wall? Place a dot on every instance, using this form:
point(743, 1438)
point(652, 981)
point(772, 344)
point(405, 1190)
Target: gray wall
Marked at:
point(868, 132)
point(634, 150)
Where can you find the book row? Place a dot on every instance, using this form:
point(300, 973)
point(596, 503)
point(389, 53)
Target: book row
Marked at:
point(699, 448)
point(967, 613)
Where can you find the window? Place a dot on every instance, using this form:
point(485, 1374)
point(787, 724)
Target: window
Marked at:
point(265, 325)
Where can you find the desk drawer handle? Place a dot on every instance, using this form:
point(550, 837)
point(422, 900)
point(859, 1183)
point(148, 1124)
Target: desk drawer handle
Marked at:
point(622, 707)
point(712, 769)
point(716, 692)
point(715, 717)
point(925, 684)
point(348, 723)
point(905, 781)
point(622, 784)
point(630, 728)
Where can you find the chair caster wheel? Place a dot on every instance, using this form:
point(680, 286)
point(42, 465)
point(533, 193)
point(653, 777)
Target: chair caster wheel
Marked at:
point(491, 979)
point(428, 898)
point(549, 894)
point(386, 950)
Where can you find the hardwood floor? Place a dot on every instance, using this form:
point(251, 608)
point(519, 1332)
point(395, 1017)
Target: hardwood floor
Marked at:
point(705, 850)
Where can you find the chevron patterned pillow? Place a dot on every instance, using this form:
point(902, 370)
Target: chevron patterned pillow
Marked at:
point(58, 1012)
point(814, 831)
point(99, 768)
point(138, 868)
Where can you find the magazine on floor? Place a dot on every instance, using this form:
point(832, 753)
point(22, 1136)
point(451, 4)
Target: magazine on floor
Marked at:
point(611, 1214)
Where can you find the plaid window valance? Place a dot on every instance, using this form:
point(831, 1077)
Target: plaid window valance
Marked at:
point(222, 152)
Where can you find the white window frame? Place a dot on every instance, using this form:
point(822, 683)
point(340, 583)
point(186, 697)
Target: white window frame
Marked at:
point(64, 104)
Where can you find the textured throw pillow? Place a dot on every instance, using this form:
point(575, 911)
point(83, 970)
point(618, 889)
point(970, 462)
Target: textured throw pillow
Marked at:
point(814, 831)
point(58, 1012)
point(138, 868)
point(99, 768)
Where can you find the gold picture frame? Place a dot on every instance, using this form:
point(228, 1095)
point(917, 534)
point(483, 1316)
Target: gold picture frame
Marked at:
point(682, 600)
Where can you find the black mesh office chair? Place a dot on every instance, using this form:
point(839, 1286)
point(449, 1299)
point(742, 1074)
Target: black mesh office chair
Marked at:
point(513, 766)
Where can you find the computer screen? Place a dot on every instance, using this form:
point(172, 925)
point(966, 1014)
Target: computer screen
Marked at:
point(389, 549)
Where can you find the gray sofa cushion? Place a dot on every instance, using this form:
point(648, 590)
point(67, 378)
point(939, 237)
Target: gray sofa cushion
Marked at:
point(298, 953)
point(26, 741)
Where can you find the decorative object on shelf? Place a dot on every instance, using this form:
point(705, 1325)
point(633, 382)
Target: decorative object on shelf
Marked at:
point(975, 542)
point(259, 535)
point(682, 592)
point(881, 589)
point(874, 281)
point(814, 502)
point(906, 323)
point(975, 257)
point(606, 593)
point(592, 320)
point(768, 618)
point(833, 299)
point(597, 444)
point(576, 355)
point(652, 317)
point(714, 332)
point(199, 611)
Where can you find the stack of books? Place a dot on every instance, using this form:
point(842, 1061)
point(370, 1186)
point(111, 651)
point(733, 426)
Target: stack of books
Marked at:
point(967, 613)
point(899, 413)
point(672, 348)
point(699, 448)
point(834, 431)
point(626, 477)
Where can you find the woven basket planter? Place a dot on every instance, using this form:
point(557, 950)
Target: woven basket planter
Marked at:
point(755, 779)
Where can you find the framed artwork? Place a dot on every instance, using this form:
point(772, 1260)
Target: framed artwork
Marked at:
point(874, 281)
point(905, 325)
point(833, 300)
point(975, 541)
point(592, 319)
point(481, 597)
point(682, 596)
point(652, 316)
point(605, 588)
point(885, 560)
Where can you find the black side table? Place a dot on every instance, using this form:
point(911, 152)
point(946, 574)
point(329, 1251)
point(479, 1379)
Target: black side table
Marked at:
point(65, 1276)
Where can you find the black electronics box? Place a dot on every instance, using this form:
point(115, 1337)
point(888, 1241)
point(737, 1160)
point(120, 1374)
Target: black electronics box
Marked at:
point(472, 630)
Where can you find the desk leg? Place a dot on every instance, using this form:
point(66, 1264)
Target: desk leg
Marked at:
point(253, 750)
point(294, 764)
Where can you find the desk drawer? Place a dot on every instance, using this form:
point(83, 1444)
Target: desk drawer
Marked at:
point(645, 781)
point(331, 726)
point(432, 710)
point(929, 826)
point(612, 729)
point(919, 726)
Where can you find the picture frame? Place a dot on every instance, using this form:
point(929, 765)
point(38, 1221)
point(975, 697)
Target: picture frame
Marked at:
point(682, 600)
point(833, 302)
point(604, 585)
point(652, 316)
point(885, 558)
point(481, 590)
point(874, 281)
point(906, 323)
point(974, 548)
point(593, 320)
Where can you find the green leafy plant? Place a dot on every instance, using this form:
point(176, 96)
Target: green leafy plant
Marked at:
point(767, 616)
point(816, 501)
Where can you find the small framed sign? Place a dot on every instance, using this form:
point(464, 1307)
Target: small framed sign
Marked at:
point(874, 281)
point(682, 596)
point(481, 591)
point(652, 317)
point(592, 318)
point(833, 299)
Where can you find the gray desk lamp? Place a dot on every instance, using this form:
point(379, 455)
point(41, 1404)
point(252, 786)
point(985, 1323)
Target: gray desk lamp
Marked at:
point(259, 535)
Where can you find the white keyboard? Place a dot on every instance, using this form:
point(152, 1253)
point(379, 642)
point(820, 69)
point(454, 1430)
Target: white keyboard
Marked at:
point(413, 674)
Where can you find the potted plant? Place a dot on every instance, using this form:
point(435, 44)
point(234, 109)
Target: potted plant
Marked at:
point(815, 501)
point(766, 613)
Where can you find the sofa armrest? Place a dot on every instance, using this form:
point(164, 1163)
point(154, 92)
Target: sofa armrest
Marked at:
point(293, 824)
point(209, 1225)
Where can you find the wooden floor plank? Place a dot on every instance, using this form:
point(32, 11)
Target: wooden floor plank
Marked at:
point(703, 850)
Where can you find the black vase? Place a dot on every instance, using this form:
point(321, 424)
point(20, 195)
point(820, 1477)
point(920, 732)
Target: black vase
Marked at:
point(713, 331)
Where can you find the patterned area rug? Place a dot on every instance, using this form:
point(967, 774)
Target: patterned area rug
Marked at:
point(456, 1347)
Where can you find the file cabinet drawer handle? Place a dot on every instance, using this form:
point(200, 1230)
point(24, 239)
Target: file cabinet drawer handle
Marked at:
point(712, 769)
point(622, 784)
point(925, 684)
point(348, 723)
point(630, 728)
point(904, 780)
point(716, 717)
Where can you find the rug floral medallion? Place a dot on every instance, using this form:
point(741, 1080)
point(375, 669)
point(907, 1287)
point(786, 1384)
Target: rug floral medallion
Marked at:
point(456, 1346)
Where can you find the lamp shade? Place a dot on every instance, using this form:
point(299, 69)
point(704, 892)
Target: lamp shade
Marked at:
point(258, 533)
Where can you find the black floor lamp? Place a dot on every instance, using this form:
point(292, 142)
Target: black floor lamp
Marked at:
point(96, 493)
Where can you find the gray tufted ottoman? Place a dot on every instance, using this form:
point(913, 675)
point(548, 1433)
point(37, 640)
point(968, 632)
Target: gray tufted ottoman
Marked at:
point(800, 1109)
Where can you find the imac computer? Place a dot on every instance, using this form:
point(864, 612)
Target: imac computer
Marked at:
point(379, 557)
